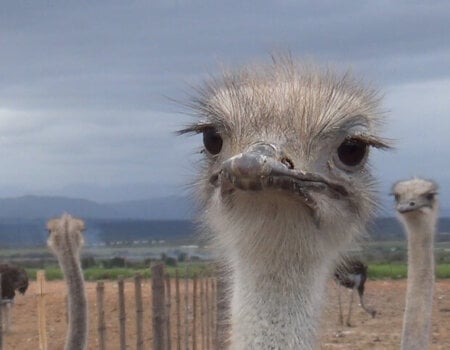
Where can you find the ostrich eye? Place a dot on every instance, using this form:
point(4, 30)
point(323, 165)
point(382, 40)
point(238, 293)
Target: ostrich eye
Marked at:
point(397, 197)
point(430, 196)
point(212, 141)
point(351, 152)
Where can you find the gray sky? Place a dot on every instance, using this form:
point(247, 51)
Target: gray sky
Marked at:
point(85, 86)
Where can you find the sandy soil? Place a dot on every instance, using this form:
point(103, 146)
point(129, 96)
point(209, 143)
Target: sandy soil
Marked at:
point(382, 332)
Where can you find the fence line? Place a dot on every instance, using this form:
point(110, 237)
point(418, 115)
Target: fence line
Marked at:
point(189, 321)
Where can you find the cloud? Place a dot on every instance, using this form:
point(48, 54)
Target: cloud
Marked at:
point(85, 88)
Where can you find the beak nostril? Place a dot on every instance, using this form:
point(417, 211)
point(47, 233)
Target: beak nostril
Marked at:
point(288, 163)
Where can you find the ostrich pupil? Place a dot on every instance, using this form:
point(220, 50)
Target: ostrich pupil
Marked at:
point(212, 141)
point(351, 152)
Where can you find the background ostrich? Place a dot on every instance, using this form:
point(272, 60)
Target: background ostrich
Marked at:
point(14, 279)
point(65, 240)
point(352, 273)
point(417, 209)
point(284, 190)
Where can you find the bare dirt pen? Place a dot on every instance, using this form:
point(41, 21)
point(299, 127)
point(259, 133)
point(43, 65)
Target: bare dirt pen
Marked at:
point(382, 333)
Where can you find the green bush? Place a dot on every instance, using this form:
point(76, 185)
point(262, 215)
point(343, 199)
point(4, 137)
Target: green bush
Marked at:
point(393, 271)
point(88, 261)
point(169, 261)
point(114, 262)
point(182, 257)
point(443, 271)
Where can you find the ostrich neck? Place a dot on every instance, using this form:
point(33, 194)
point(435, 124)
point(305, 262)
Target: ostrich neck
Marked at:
point(277, 310)
point(278, 281)
point(420, 285)
point(77, 309)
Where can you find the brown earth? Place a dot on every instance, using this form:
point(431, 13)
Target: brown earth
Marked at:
point(382, 332)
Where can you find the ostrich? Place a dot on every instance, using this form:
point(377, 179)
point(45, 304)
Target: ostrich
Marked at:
point(352, 273)
point(65, 240)
point(14, 279)
point(284, 189)
point(417, 209)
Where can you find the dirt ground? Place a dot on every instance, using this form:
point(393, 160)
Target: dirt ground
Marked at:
point(382, 332)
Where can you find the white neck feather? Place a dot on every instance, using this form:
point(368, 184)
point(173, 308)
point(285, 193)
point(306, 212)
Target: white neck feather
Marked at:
point(420, 230)
point(277, 310)
point(279, 267)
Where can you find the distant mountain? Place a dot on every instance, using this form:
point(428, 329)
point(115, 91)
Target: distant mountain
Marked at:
point(34, 207)
point(167, 208)
point(32, 232)
point(22, 220)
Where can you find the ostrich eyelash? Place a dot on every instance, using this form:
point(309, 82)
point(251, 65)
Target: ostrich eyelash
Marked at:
point(196, 128)
point(372, 141)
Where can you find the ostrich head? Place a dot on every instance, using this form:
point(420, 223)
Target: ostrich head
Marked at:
point(415, 197)
point(65, 235)
point(286, 149)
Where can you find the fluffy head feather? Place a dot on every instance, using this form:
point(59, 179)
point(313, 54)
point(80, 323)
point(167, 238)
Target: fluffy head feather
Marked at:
point(309, 113)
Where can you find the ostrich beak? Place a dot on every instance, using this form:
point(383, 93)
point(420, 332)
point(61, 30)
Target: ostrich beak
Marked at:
point(264, 166)
point(411, 205)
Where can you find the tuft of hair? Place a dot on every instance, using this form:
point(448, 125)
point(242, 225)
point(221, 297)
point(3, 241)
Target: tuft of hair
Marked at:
point(414, 187)
point(65, 233)
point(299, 100)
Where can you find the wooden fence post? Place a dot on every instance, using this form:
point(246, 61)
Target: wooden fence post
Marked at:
point(101, 315)
point(139, 312)
point(186, 306)
point(122, 315)
point(40, 278)
point(208, 321)
point(168, 309)
point(158, 306)
point(202, 311)
point(178, 307)
point(194, 313)
point(213, 313)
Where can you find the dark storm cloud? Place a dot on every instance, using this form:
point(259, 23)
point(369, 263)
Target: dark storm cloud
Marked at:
point(87, 85)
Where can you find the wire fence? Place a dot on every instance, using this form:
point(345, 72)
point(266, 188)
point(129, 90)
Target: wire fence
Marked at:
point(185, 312)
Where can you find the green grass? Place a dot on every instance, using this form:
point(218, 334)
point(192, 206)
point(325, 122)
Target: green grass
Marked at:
point(443, 271)
point(376, 271)
point(399, 271)
point(100, 273)
point(387, 271)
